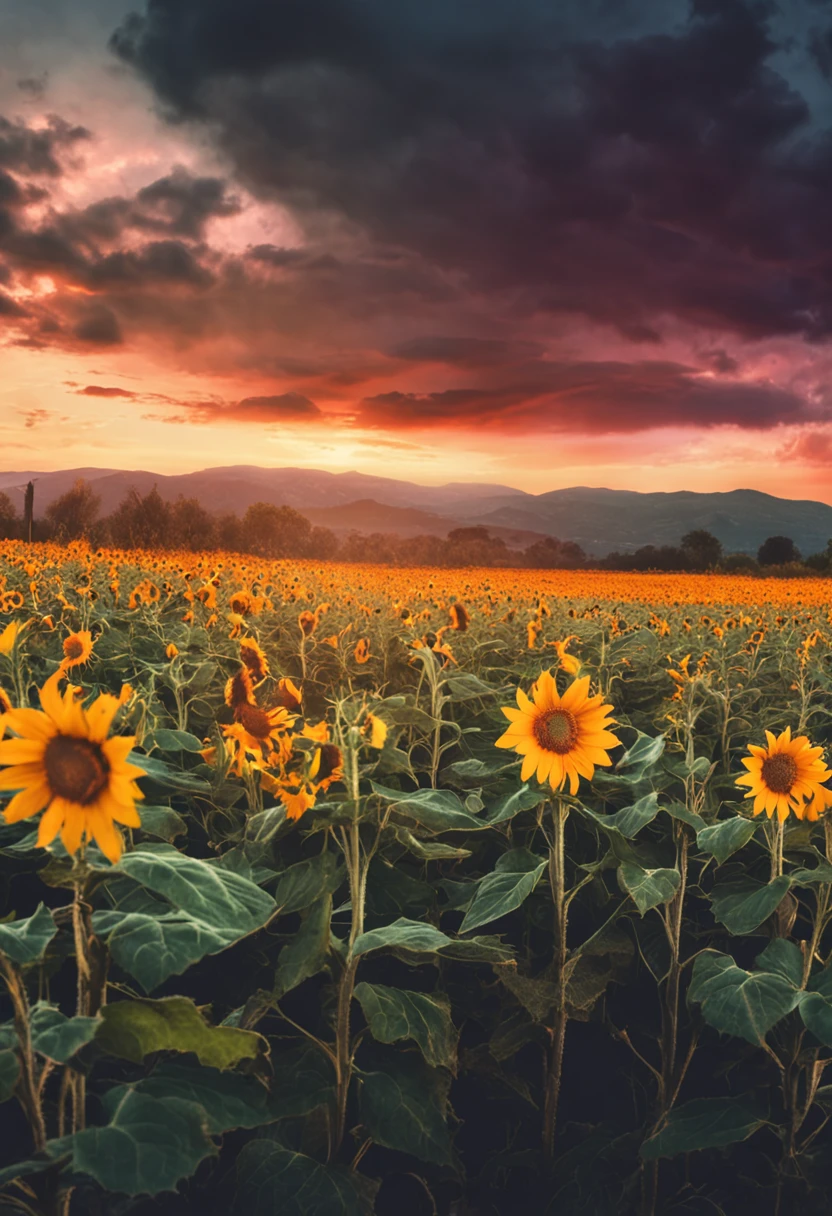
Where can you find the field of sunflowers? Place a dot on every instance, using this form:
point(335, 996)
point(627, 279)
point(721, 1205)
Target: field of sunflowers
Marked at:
point(346, 889)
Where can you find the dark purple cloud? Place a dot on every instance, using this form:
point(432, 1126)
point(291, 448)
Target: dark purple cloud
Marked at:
point(652, 175)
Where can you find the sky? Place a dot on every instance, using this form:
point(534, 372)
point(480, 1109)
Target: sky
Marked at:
point(532, 244)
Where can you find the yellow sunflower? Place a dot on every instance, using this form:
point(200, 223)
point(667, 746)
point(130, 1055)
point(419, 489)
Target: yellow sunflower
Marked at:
point(62, 760)
point(783, 776)
point(560, 737)
point(77, 648)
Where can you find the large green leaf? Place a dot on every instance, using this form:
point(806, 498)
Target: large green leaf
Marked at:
point(742, 1003)
point(148, 1145)
point(433, 810)
point(404, 1107)
point(306, 954)
point(162, 821)
point(526, 798)
point(505, 889)
point(629, 821)
point(24, 941)
point(743, 906)
point(206, 909)
point(649, 888)
point(58, 1037)
point(271, 1179)
point(723, 839)
point(135, 1029)
point(782, 957)
point(393, 1014)
point(229, 1099)
point(167, 777)
point(301, 884)
point(705, 1123)
point(404, 934)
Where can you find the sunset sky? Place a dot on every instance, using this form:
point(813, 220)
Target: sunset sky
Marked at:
point(542, 244)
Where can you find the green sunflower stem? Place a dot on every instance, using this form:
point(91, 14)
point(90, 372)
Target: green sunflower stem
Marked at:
point(776, 847)
point(557, 1031)
point(27, 1089)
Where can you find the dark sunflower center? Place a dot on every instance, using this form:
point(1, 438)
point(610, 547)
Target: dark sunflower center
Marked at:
point(254, 719)
point(556, 731)
point(779, 773)
point(76, 769)
point(73, 648)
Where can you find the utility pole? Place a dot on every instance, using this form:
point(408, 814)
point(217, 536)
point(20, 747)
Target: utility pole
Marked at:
point(28, 511)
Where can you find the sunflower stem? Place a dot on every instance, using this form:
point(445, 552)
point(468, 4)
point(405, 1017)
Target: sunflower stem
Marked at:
point(27, 1088)
point(557, 1033)
point(776, 847)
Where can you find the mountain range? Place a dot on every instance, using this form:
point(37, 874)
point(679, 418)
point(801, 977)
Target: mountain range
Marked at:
point(598, 519)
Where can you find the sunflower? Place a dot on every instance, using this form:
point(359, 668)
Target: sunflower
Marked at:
point(254, 659)
point(784, 775)
point(63, 760)
point(560, 737)
point(77, 649)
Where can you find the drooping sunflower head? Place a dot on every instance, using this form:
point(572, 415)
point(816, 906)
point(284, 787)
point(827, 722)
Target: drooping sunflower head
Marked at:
point(77, 648)
point(239, 689)
point(289, 696)
point(560, 737)
point(784, 775)
point(459, 617)
point(254, 659)
point(63, 760)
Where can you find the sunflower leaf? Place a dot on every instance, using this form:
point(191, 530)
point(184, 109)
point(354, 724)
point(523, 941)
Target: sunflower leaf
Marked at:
point(649, 888)
point(393, 1014)
point(705, 1123)
point(723, 839)
point(742, 1003)
point(135, 1029)
point(743, 906)
point(502, 891)
point(271, 1178)
point(24, 941)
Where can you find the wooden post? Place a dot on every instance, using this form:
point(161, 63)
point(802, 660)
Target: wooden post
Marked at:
point(28, 510)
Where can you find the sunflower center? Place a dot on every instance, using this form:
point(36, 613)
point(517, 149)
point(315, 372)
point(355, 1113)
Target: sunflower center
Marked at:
point(779, 773)
point(557, 731)
point(76, 769)
point(73, 649)
point(254, 719)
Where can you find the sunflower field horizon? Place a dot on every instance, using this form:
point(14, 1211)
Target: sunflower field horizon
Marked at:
point(445, 890)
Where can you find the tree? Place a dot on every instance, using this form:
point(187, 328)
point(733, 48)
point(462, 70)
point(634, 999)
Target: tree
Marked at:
point(777, 551)
point(553, 554)
point(141, 521)
point(229, 532)
point(8, 517)
point(191, 526)
point(272, 531)
point(72, 516)
point(702, 549)
point(475, 547)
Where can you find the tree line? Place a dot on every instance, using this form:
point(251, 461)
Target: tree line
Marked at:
point(147, 521)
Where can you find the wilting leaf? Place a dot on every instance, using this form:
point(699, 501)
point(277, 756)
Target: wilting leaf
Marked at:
point(135, 1029)
point(705, 1123)
point(393, 1014)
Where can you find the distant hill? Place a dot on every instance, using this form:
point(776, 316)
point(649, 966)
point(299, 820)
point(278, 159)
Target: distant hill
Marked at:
point(598, 519)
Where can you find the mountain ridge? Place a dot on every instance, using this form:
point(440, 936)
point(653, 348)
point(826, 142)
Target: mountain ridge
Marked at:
point(597, 518)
